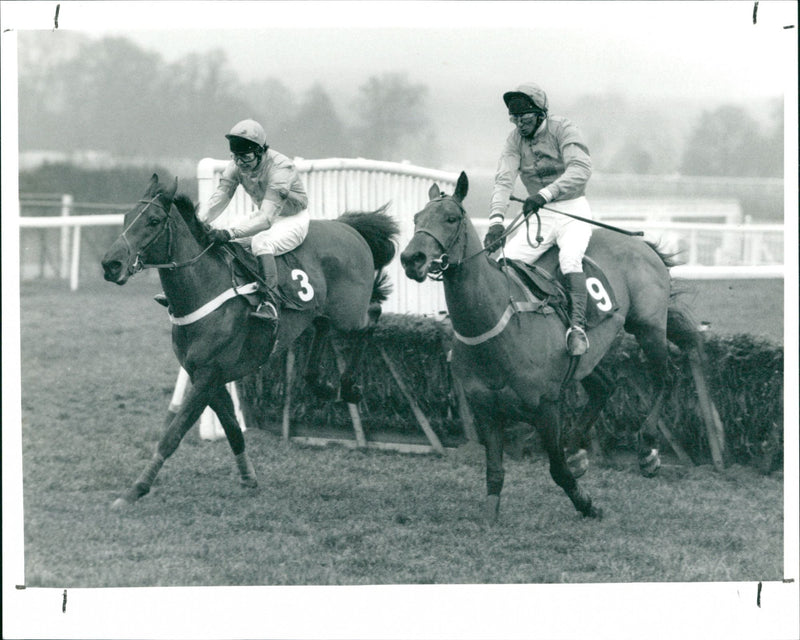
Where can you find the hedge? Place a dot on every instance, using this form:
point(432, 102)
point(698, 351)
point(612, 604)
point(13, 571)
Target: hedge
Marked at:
point(745, 379)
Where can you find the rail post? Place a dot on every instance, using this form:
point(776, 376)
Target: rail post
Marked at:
point(66, 210)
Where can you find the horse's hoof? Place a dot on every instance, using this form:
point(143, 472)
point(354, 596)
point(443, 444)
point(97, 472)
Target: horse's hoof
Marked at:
point(248, 483)
point(578, 463)
point(120, 504)
point(650, 464)
point(352, 395)
point(491, 510)
point(593, 512)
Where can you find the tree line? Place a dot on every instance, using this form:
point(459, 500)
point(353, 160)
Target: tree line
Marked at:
point(77, 93)
point(111, 95)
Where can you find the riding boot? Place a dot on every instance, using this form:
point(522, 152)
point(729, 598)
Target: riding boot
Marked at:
point(161, 299)
point(577, 341)
point(268, 309)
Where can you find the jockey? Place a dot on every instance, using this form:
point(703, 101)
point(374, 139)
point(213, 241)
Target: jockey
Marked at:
point(279, 221)
point(550, 156)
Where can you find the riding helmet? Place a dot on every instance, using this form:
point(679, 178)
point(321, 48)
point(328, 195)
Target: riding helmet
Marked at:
point(526, 98)
point(247, 135)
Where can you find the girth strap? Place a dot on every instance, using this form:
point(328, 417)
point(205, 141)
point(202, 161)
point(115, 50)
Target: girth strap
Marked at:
point(532, 304)
point(214, 304)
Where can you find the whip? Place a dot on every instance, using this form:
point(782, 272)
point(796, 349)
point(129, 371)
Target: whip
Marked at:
point(582, 219)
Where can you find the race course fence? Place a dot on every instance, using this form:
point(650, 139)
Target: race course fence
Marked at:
point(335, 185)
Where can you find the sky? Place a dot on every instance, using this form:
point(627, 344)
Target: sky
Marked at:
point(701, 49)
point(469, 53)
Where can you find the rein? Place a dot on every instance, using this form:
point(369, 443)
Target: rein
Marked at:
point(138, 265)
point(442, 263)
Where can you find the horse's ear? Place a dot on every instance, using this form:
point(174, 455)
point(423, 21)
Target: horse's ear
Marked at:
point(462, 186)
point(173, 189)
point(434, 192)
point(151, 188)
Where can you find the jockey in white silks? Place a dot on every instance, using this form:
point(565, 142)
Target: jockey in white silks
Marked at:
point(277, 224)
point(549, 155)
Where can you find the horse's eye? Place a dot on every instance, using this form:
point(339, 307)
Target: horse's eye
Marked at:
point(153, 221)
point(452, 219)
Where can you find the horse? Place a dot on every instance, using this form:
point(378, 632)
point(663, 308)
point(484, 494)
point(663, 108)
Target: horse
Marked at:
point(336, 276)
point(509, 353)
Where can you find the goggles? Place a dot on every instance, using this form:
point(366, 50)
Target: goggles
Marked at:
point(244, 158)
point(525, 118)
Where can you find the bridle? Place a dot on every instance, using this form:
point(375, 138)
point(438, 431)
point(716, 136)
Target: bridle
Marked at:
point(441, 264)
point(138, 264)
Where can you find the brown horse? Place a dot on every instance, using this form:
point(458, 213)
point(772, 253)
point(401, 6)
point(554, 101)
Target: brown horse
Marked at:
point(509, 352)
point(336, 277)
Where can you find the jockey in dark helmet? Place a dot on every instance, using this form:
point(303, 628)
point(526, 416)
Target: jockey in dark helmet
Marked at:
point(278, 222)
point(549, 155)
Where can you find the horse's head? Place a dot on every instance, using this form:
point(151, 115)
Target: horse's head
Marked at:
point(146, 234)
point(439, 233)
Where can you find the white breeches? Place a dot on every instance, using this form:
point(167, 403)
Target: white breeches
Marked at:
point(285, 234)
point(571, 236)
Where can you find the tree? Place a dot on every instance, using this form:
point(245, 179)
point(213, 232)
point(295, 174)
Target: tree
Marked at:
point(393, 117)
point(315, 131)
point(726, 142)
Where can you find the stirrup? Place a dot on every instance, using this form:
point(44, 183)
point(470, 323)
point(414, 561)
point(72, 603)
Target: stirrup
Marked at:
point(579, 343)
point(266, 311)
point(161, 299)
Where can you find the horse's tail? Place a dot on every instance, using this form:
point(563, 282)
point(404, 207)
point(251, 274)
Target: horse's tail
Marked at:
point(379, 230)
point(682, 329)
point(381, 287)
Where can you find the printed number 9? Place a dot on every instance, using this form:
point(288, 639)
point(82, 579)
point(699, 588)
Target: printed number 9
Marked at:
point(306, 292)
point(598, 292)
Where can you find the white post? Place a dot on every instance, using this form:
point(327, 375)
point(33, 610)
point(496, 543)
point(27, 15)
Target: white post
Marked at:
point(66, 207)
point(210, 427)
point(76, 258)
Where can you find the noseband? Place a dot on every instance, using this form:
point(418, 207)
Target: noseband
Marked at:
point(137, 264)
point(441, 264)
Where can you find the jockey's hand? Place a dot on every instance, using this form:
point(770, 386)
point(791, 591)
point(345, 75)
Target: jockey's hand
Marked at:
point(533, 204)
point(219, 236)
point(493, 240)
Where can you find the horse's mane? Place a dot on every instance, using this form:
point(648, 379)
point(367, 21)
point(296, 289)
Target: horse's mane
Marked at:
point(183, 203)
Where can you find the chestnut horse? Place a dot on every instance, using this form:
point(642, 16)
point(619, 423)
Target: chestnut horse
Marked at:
point(509, 352)
point(340, 286)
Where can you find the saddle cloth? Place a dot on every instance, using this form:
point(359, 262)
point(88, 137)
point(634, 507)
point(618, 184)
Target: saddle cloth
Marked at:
point(298, 284)
point(545, 281)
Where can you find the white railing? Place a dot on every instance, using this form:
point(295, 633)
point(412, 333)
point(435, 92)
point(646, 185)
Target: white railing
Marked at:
point(337, 185)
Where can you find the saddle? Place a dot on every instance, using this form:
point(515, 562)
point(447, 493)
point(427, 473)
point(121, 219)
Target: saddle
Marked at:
point(296, 282)
point(546, 282)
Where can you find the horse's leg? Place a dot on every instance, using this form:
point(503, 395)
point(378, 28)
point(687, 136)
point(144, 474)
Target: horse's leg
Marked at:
point(546, 418)
point(495, 473)
point(350, 391)
point(653, 341)
point(322, 327)
point(195, 402)
point(491, 424)
point(598, 386)
point(222, 404)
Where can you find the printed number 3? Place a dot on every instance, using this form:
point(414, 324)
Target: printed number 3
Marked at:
point(599, 293)
point(306, 292)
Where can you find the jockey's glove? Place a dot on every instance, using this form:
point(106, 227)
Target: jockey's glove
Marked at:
point(493, 239)
point(219, 236)
point(533, 204)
